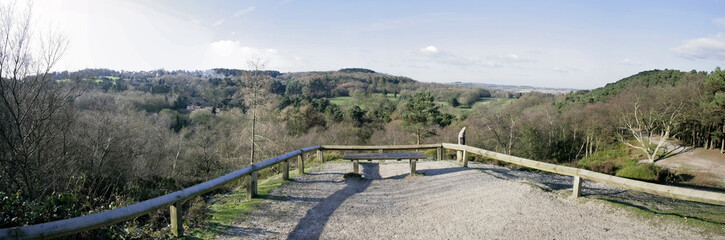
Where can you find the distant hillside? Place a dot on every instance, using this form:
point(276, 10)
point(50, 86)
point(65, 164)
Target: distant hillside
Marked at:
point(513, 88)
point(644, 79)
point(342, 83)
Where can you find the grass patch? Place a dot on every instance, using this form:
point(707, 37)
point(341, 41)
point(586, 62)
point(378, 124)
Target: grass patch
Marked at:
point(348, 102)
point(646, 172)
point(228, 209)
point(343, 101)
point(608, 160)
point(707, 217)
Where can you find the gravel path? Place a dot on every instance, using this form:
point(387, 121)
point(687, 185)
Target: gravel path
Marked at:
point(448, 202)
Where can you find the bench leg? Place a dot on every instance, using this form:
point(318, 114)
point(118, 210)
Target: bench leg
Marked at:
point(355, 166)
point(380, 162)
point(412, 166)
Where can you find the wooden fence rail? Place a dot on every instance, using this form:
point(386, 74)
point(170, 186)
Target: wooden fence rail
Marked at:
point(174, 200)
point(658, 189)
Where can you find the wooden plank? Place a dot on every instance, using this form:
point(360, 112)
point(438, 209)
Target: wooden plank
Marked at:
point(380, 161)
point(386, 147)
point(175, 213)
point(384, 156)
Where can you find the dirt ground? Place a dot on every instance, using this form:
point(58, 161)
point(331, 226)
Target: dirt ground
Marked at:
point(445, 202)
point(700, 162)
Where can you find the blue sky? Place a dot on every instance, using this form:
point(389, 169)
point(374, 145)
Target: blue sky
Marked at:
point(574, 44)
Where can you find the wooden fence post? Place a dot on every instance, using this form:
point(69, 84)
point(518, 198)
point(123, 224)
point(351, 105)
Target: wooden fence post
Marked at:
point(355, 166)
point(177, 229)
point(439, 153)
point(252, 185)
point(300, 164)
point(285, 169)
point(577, 187)
point(465, 158)
point(319, 156)
point(461, 141)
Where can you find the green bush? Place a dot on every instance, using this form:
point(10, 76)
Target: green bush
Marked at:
point(328, 156)
point(601, 156)
point(646, 172)
point(431, 153)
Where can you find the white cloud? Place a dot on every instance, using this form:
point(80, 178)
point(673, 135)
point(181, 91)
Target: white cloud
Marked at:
point(511, 57)
point(429, 50)
point(435, 55)
point(244, 11)
point(628, 61)
point(720, 21)
point(563, 69)
point(703, 48)
point(217, 23)
point(232, 54)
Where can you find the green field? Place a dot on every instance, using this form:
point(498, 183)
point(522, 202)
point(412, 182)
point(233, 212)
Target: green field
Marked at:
point(348, 102)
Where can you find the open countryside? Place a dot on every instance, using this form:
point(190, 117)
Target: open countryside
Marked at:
point(265, 131)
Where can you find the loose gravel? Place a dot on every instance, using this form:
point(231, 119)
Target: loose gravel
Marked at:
point(445, 201)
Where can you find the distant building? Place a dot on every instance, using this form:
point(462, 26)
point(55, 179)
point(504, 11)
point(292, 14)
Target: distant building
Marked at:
point(192, 108)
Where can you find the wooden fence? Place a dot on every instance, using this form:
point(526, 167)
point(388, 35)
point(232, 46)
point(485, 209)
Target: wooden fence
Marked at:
point(176, 199)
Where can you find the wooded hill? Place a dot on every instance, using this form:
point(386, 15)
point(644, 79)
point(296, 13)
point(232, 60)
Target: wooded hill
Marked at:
point(122, 137)
point(652, 78)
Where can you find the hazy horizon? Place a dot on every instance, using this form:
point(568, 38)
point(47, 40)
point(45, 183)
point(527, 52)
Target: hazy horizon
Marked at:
point(553, 44)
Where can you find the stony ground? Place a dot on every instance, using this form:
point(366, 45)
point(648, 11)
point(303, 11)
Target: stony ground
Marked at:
point(445, 202)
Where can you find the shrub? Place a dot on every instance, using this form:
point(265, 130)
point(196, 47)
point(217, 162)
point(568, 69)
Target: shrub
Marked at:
point(431, 153)
point(329, 156)
point(605, 167)
point(647, 172)
point(197, 212)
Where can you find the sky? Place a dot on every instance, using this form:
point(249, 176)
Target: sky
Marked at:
point(564, 44)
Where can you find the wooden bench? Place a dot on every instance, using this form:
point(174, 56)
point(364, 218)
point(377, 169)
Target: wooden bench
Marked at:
point(356, 157)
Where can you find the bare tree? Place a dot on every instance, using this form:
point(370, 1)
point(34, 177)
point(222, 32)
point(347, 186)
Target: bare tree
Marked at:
point(35, 110)
point(254, 79)
point(646, 124)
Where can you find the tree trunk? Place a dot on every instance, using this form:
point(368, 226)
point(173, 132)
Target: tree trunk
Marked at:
point(417, 136)
point(722, 144)
point(706, 137)
point(254, 124)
